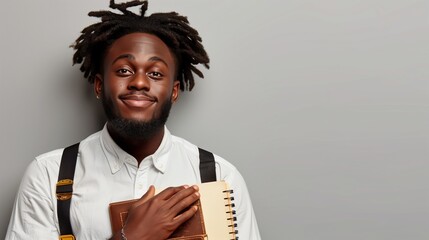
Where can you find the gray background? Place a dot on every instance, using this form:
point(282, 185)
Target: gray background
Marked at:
point(322, 105)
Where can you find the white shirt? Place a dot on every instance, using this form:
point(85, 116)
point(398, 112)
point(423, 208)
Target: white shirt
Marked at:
point(105, 173)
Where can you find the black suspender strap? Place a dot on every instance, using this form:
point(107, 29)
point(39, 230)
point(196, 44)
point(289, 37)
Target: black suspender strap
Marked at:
point(207, 166)
point(65, 190)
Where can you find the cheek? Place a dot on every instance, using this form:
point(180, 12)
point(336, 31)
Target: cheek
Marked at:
point(112, 88)
point(162, 90)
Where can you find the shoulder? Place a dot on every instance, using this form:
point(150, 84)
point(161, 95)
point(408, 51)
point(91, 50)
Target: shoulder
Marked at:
point(50, 161)
point(225, 170)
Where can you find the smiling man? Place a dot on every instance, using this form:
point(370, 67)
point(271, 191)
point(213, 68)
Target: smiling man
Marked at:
point(138, 65)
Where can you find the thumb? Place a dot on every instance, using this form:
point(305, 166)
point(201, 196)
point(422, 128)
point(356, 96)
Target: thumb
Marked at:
point(148, 195)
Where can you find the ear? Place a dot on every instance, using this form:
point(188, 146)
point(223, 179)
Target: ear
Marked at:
point(98, 85)
point(175, 92)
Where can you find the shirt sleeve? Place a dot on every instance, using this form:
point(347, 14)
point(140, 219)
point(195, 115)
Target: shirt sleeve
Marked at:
point(246, 221)
point(33, 211)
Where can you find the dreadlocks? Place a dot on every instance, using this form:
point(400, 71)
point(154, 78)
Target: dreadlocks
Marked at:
point(173, 29)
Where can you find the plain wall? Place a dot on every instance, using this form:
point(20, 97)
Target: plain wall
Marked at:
point(321, 105)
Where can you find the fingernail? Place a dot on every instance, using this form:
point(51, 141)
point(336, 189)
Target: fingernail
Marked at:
point(195, 187)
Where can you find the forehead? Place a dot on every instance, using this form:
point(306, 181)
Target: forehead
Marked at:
point(140, 45)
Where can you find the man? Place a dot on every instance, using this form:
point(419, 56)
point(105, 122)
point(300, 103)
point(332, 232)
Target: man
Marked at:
point(137, 64)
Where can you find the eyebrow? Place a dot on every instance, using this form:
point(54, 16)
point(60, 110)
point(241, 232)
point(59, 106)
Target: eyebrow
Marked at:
point(128, 56)
point(131, 57)
point(158, 59)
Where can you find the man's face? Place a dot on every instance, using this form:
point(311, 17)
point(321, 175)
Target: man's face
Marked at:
point(137, 85)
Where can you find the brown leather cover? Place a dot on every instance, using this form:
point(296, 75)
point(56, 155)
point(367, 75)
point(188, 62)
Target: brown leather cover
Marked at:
point(193, 229)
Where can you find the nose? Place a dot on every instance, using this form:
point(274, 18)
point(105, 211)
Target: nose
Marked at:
point(139, 82)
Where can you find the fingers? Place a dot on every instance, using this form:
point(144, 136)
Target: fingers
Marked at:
point(182, 205)
point(186, 215)
point(183, 199)
point(169, 192)
point(174, 199)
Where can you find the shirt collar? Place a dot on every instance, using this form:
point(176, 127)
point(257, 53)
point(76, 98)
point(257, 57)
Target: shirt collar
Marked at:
point(117, 157)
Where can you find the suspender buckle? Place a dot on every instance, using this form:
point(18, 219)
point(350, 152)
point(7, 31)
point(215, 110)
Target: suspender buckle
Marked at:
point(64, 192)
point(67, 237)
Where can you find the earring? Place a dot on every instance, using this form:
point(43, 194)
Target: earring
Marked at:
point(98, 97)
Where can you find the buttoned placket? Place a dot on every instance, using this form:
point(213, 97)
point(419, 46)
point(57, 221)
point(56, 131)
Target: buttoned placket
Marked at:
point(142, 177)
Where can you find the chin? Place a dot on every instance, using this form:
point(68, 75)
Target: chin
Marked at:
point(136, 128)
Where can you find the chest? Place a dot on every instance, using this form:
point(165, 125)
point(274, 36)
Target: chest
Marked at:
point(96, 187)
point(97, 183)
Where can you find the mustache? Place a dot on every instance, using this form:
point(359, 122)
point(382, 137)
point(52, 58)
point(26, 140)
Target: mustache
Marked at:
point(138, 95)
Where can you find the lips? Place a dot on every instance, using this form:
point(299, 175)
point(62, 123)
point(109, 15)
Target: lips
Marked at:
point(137, 100)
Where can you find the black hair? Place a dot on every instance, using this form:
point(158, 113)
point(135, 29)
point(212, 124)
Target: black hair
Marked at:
point(173, 29)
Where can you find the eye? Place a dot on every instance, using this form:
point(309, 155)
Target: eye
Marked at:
point(155, 75)
point(124, 72)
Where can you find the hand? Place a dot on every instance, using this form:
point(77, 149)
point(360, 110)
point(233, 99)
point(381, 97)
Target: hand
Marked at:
point(156, 217)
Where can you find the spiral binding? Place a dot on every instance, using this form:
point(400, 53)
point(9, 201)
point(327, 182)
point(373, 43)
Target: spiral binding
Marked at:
point(231, 214)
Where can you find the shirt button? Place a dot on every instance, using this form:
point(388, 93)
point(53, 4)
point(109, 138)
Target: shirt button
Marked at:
point(140, 185)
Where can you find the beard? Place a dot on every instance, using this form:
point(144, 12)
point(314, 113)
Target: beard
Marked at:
point(134, 128)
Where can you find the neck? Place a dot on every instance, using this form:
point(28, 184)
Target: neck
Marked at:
point(138, 147)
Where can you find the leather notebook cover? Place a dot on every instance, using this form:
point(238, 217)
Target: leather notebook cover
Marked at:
point(193, 229)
